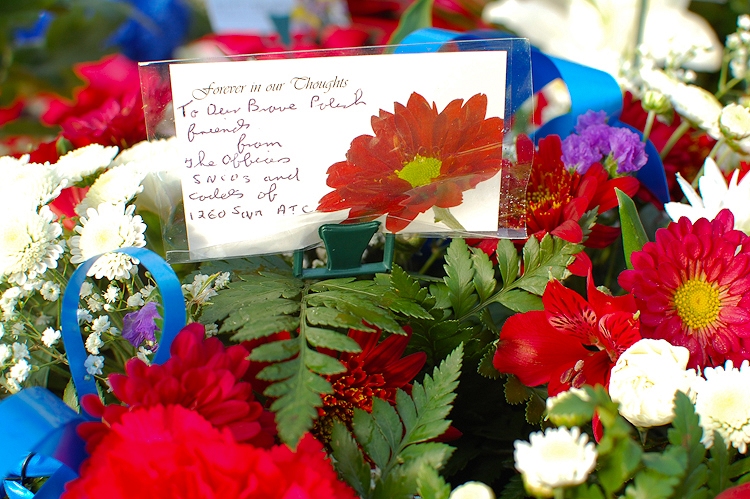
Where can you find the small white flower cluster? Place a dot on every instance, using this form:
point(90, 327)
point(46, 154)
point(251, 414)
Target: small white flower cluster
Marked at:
point(203, 288)
point(738, 48)
point(17, 357)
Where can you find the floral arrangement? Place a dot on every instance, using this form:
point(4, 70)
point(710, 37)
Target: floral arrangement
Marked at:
point(605, 355)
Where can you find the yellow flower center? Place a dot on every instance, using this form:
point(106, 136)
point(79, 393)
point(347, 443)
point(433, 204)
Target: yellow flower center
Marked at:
point(697, 303)
point(420, 171)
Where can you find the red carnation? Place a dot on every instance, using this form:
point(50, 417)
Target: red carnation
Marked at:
point(201, 375)
point(171, 451)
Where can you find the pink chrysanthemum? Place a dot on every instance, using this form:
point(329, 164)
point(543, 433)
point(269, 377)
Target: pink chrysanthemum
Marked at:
point(693, 289)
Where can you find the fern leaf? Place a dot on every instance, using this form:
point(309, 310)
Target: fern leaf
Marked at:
point(459, 278)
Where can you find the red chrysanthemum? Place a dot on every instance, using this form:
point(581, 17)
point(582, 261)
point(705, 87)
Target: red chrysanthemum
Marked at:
point(556, 198)
point(572, 342)
point(418, 159)
point(202, 375)
point(693, 289)
point(377, 371)
point(171, 451)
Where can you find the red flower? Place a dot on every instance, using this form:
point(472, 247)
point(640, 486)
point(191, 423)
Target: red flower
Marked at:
point(171, 451)
point(108, 111)
point(571, 342)
point(418, 159)
point(738, 492)
point(556, 198)
point(201, 375)
point(693, 289)
point(377, 371)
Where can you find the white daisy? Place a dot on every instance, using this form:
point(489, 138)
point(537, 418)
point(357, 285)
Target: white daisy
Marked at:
point(559, 457)
point(93, 343)
point(30, 184)
point(104, 229)
point(118, 185)
point(84, 161)
point(50, 291)
point(715, 195)
point(723, 404)
point(94, 364)
point(50, 336)
point(29, 244)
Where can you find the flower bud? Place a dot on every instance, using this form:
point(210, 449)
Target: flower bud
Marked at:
point(655, 101)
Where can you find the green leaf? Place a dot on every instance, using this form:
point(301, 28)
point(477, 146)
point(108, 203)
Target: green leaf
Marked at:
point(387, 421)
point(70, 397)
point(519, 300)
point(417, 16)
point(633, 234)
point(544, 261)
point(323, 364)
point(507, 261)
point(618, 465)
point(486, 367)
point(325, 338)
point(297, 403)
point(515, 391)
point(459, 277)
point(484, 274)
point(718, 466)
point(651, 485)
point(280, 370)
point(431, 484)
point(275, 351)
point(348, 460)
point(371, 438)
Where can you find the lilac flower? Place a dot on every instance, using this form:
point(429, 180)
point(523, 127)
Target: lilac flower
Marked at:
point(627, 150)
point(578, 153)
point(140, 326)
point(590, 118)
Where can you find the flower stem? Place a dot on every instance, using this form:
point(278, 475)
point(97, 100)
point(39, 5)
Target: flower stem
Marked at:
point(676, 135)
point(444, 215)
point(649, 125)
point(641, 29)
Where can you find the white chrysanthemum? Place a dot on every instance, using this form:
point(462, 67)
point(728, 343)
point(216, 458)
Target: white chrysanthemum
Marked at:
point(29, 244)
point(714, 196)
point(559, 457)
point(84, 161)
point(50, 336)
point(147, 151)
point(30, 185)
point(646, 378)
point(472, 490)
point(723, 404)
point(93, 343)
point(10, 161)
point(118, 185)
point(105, 229)
point(94, 364)
point(50, 291)
point(734, 122)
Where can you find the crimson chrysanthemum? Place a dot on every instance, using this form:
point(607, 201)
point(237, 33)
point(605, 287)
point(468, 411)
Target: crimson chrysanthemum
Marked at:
point(171, 451)
point(377, 371)
point(692, 286)
point(417, 159)
point(202, 375)
point(572, 342)
point(556, 198)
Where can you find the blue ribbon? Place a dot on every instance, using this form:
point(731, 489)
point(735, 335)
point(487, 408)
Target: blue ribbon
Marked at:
point(589, 89)
point(35, 421)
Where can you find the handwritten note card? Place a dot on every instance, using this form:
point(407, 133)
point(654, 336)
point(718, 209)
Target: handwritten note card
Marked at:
point(272, 149)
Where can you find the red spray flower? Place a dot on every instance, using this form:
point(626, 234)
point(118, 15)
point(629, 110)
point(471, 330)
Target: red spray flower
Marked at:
point(171, 451)
point(201, 375)
point(417, 159)
point(692, 286)
point(571, 342)
point(377, 371)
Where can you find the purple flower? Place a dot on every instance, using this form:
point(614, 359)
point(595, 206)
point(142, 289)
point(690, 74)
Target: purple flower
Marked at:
point(627, 150)
point(590, 118)
point(579, 154)
point(140, 326)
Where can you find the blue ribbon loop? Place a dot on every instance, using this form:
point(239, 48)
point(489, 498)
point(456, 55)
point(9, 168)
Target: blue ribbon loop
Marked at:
point(589, 89)
point(35, 421)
